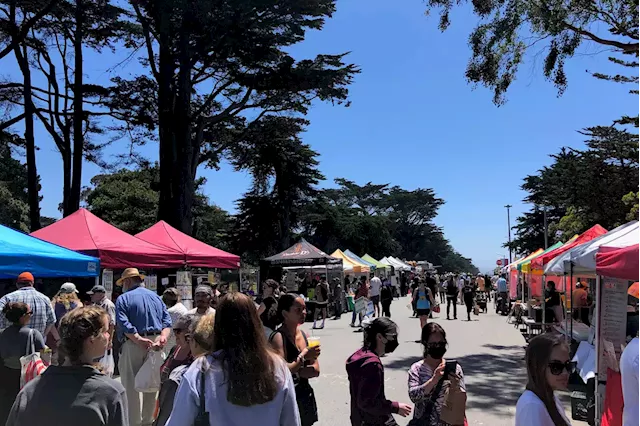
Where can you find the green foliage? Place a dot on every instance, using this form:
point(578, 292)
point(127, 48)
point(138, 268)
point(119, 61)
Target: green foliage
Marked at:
point(582, 188)
point(631, 201)
point(509, 29)
point(285, 173)
point(128, 199)
point(214, 69)
point(14, 207)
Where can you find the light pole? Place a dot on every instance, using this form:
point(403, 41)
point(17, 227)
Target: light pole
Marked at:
point(508, 206)
point(546, 233)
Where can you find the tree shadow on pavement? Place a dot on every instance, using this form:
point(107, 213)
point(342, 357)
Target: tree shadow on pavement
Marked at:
point(504, 348)
point(494, 381)
point(403, 363)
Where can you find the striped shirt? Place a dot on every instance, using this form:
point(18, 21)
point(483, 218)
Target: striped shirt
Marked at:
point(40, 305)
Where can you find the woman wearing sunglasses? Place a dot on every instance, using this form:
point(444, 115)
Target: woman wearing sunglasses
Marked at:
point(177, 362)
point(548, 369)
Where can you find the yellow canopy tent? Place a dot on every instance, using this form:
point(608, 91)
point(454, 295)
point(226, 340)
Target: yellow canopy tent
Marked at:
point(350, 264)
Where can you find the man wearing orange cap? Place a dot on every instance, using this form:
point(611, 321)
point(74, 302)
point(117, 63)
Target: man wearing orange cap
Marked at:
point(43, 318)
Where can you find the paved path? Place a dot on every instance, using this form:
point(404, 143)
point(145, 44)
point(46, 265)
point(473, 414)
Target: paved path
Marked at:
point(489, 350)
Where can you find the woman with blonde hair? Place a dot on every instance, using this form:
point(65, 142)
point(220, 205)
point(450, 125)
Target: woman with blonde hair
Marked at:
point(64, 301)
point(243, 382)
point(76, 393)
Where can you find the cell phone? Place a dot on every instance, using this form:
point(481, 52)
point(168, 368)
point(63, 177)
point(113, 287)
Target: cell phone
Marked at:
point(450, 367)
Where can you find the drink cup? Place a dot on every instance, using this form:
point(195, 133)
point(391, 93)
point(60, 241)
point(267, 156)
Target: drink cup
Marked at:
point(312, 342)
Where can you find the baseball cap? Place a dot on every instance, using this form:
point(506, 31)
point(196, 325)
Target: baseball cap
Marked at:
point(68, 288)
point(97, 289)
point(25, 277)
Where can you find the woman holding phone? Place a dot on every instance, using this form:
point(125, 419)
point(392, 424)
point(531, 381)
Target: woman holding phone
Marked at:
point(434, 378)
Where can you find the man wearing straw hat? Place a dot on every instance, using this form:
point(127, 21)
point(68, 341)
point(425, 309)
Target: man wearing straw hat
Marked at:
point(143, 323)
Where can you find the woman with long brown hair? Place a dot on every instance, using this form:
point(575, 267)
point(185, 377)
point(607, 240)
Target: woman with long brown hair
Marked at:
point(243, 382)
point(76, 394)
point(548, 370)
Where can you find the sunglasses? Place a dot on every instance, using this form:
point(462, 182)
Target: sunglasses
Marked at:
point(556, 367)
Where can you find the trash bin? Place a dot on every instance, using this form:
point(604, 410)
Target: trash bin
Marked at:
point(350, 304)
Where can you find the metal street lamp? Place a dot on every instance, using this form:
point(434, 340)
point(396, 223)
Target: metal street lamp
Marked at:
point(508, 206)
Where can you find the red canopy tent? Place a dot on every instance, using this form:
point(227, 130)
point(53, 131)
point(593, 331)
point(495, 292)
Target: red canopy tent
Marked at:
point(588, 235)
point(618, 262)
point(85, 232)
point(196, 252)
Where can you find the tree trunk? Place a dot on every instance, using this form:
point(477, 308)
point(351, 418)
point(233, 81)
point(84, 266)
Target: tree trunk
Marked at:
point(179, 150)
point(32, 172)
point(73, 203)
point(66, 182)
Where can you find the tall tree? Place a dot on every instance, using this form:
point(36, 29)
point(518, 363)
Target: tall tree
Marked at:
point(211, 66)
point(284, 172)
point(508, 29)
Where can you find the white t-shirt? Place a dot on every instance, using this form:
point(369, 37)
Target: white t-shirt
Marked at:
point(374, 286)
point(194, 311)
point(530, 411)
point(629, 373)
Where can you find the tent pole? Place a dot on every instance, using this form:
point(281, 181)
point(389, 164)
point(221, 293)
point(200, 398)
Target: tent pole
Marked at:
point(596, 317)
point(571, 283)
point(544, 303)
point(566, 315)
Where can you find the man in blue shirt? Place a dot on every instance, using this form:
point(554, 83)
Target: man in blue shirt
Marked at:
point(142, 323)
point(502, 285)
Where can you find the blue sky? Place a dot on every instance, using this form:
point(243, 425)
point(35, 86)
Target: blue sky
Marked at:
point(415, 122)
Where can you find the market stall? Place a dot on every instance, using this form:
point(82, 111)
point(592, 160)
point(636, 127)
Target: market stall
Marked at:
point(20, 252)
point(379, 265)
point(353, 256)
point(196, 253)
point(84, 232)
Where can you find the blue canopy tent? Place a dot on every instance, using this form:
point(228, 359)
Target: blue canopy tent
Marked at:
point(357, 258)
point(21, 252)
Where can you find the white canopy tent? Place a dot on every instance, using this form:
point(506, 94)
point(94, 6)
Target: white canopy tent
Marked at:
point(404, 265)
point(390, 260)
point(583, 257)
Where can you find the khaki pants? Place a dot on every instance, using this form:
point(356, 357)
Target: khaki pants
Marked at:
point(130, 362)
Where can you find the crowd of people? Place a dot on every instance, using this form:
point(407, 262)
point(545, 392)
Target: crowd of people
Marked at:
point(232, 361)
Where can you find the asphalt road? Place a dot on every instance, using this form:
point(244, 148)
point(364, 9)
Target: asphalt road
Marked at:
point(490, 351)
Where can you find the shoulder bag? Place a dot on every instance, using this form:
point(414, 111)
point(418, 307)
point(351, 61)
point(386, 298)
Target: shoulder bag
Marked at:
point(202, 419)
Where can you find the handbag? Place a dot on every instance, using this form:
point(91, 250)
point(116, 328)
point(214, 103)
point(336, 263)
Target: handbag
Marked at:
point(476, 310)
point(453, 409)
point(31, 365)
point(436, 309)
point(202, 418)
point(148, 378)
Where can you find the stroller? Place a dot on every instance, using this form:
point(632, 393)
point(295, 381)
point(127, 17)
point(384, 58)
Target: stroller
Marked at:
point(481, 301)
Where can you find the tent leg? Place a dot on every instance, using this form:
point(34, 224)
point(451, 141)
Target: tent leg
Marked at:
point(570, 284)
point(544, 304)
point(596, 343)
point(566, 314)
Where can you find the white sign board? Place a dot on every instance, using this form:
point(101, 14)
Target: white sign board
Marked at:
point(370, 310)
point(361, 305)
point(151, 282)
point(165, 281)
point(107, 281)
point(183, 284)
point(612, 320)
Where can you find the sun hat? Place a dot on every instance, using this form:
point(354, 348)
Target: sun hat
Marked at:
point(129, 273)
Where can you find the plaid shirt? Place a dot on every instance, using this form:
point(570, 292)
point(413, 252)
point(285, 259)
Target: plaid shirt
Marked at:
point(40, 304)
